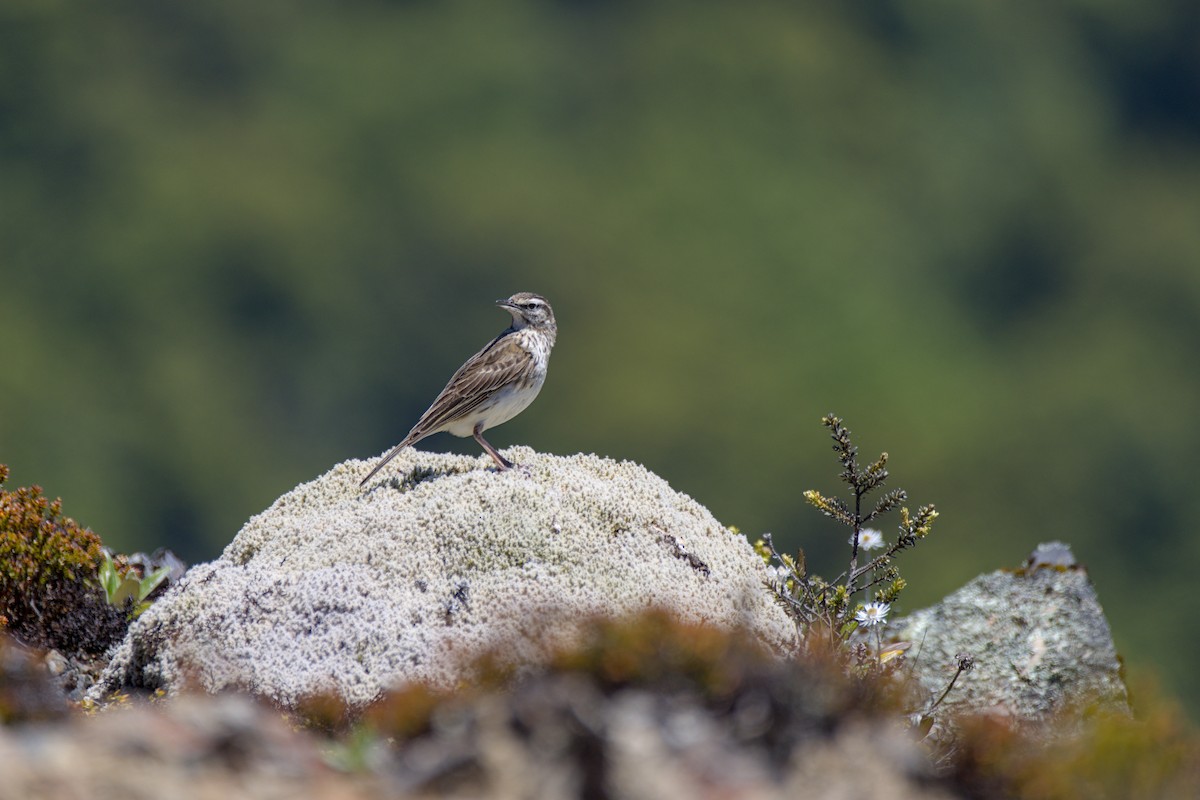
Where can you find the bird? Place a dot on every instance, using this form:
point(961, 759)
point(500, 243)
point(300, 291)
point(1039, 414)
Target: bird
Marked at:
point(495, 384)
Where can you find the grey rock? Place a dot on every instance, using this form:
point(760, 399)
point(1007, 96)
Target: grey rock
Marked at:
point(1038, 637)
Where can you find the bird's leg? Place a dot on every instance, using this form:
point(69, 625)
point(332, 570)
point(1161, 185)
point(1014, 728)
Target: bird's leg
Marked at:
point(501, 462)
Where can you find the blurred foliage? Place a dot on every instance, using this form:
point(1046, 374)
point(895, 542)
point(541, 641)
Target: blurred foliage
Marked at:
point(1155, 755)
point(242, 242)
point(440, 736)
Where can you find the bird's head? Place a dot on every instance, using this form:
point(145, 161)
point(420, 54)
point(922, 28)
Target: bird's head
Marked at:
point(528, 309)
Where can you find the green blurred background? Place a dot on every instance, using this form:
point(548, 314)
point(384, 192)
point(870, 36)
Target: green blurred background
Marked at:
point(241, 242)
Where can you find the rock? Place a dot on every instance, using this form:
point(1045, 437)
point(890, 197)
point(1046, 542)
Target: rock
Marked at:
point(192, 748)
point(1040, 642)
point(159, 559)
point(339, 589)
point(28, 690)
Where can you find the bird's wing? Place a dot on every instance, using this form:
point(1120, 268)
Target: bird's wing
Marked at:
point(495, 366)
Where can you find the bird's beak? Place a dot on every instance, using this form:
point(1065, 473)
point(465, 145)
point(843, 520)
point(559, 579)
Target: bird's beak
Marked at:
point(505, 304)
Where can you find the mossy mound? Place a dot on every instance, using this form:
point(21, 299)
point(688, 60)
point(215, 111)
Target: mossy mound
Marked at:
point(337, 589)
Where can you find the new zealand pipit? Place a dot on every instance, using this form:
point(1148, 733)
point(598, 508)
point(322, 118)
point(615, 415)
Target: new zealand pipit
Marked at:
point(495, 384)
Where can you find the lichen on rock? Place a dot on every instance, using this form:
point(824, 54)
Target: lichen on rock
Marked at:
point(339, 589)
point(1038, 637)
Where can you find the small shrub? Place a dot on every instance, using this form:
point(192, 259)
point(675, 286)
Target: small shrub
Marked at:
point(48, 593)
point(827, 613)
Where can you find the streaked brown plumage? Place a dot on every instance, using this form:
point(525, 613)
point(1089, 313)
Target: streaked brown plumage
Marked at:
point(495, 384)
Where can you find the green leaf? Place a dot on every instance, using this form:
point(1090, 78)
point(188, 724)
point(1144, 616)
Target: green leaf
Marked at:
point(151, 582)
point(129, 587)
point(109, 579)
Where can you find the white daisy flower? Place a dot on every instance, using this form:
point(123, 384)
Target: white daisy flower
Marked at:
point(872, 614)
point(868, 539)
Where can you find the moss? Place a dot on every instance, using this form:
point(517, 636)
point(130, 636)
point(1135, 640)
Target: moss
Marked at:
point(48, 593)
point(519, 558)
point(655, 648)
point(406, 712)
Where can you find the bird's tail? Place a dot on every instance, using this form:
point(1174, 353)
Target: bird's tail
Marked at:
point(395, 451)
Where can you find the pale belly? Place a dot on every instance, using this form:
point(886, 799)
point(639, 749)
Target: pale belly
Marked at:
point(502, 407)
